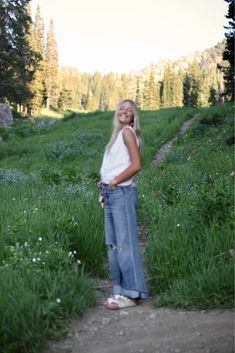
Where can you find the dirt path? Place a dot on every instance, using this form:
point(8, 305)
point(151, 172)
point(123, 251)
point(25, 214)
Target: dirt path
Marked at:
point(165, 149)
point(145, 329)
point(148, 330)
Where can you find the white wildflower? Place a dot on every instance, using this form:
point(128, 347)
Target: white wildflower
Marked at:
point(58, 300)
point(40, 239)
point(34, 259)
point(178, 225)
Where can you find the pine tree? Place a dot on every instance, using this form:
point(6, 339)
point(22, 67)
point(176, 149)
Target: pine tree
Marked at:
point(194, 75)
point(203, 94)
point(38, 84)
point(151, 93)
point(18, 61)
point(228, 53)
point(167, 95)
point(138, 94)
point(65, 100)
point(94, 92)
point(177, 88)
point(51, 60)
point(186, 87)
point(216, 85)
point(124, 86)
point(145, 102)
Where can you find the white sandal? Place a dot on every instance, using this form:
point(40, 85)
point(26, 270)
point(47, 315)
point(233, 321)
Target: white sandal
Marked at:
point(116, 302)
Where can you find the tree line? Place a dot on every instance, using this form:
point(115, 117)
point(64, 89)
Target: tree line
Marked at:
point(30, 77)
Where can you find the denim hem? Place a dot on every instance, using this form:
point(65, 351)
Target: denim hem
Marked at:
point(129, 293)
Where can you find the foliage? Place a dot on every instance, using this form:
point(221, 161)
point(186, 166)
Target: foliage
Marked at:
point(18, 60)
point(38, 84)
point(187, 204)
point(52, 66)
point(228, 53)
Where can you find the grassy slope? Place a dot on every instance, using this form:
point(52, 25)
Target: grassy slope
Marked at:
point(187, 203)
point(49, 209)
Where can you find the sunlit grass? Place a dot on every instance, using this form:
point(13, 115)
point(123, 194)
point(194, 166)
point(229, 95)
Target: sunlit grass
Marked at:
point(48, 113)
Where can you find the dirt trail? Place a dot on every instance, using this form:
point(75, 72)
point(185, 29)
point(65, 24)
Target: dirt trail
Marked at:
point(144, 328)
point(148, 330)
point(165, 149)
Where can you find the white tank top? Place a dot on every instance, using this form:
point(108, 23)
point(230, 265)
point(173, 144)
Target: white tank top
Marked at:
point(116, 159)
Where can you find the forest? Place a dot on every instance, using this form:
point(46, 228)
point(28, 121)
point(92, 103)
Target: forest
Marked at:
point(31, 78)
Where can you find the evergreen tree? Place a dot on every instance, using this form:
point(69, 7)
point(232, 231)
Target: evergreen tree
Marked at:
point(186, 88)
point(194, 75)
point(124, 90)
point(18, 61)
point(167, 94)
point(228, 53)
point(65, 100)
point(145, 100)
point(94, 92)
point(151, 93)
point(51, 60)
point(138, 94)
point(177, 88)
point(216, 85)
point(203, 94)
point(38, 84)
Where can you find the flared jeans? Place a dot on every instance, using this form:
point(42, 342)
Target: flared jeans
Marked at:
point(122, 241)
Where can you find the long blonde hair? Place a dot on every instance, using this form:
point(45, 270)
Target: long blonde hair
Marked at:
point(117, 126)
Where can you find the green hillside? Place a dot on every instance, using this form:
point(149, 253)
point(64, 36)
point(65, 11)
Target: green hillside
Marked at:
point(51, 226)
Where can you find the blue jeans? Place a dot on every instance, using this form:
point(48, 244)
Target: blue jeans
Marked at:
point(122, 241)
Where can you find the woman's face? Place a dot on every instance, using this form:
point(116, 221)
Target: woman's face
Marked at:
point(125, 113)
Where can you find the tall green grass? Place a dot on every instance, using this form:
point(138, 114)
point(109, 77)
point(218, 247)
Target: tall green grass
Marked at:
point(51, 224)
point(187, 203)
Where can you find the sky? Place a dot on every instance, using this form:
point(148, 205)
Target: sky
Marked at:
point(128, 35)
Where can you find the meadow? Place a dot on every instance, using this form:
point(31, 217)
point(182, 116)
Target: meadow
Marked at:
point(51, 243)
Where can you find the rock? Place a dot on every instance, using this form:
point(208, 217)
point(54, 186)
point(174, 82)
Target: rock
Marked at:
point(153, 315)
point(198, 334)
point(105, 321)
point(123, 313)
point(6, 118)
point(121, 333)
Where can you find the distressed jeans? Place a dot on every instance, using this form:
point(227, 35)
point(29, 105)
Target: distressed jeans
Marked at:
point(122, 241)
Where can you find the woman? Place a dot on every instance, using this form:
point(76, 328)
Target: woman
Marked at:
point(120, 163)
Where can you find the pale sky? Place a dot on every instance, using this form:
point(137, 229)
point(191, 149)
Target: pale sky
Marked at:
point(128, 35)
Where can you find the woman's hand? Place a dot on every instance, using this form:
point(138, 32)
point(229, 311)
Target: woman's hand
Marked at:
point(113, 183)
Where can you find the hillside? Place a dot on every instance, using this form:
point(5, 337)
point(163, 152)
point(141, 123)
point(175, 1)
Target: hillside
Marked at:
point(51, 224)
point(206, 59)
point(193, 80)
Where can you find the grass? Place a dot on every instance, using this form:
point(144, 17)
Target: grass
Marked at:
point(51, 225)
point(190, 246)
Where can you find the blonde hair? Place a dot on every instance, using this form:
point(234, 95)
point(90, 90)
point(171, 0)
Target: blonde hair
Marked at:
point(117, 126)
